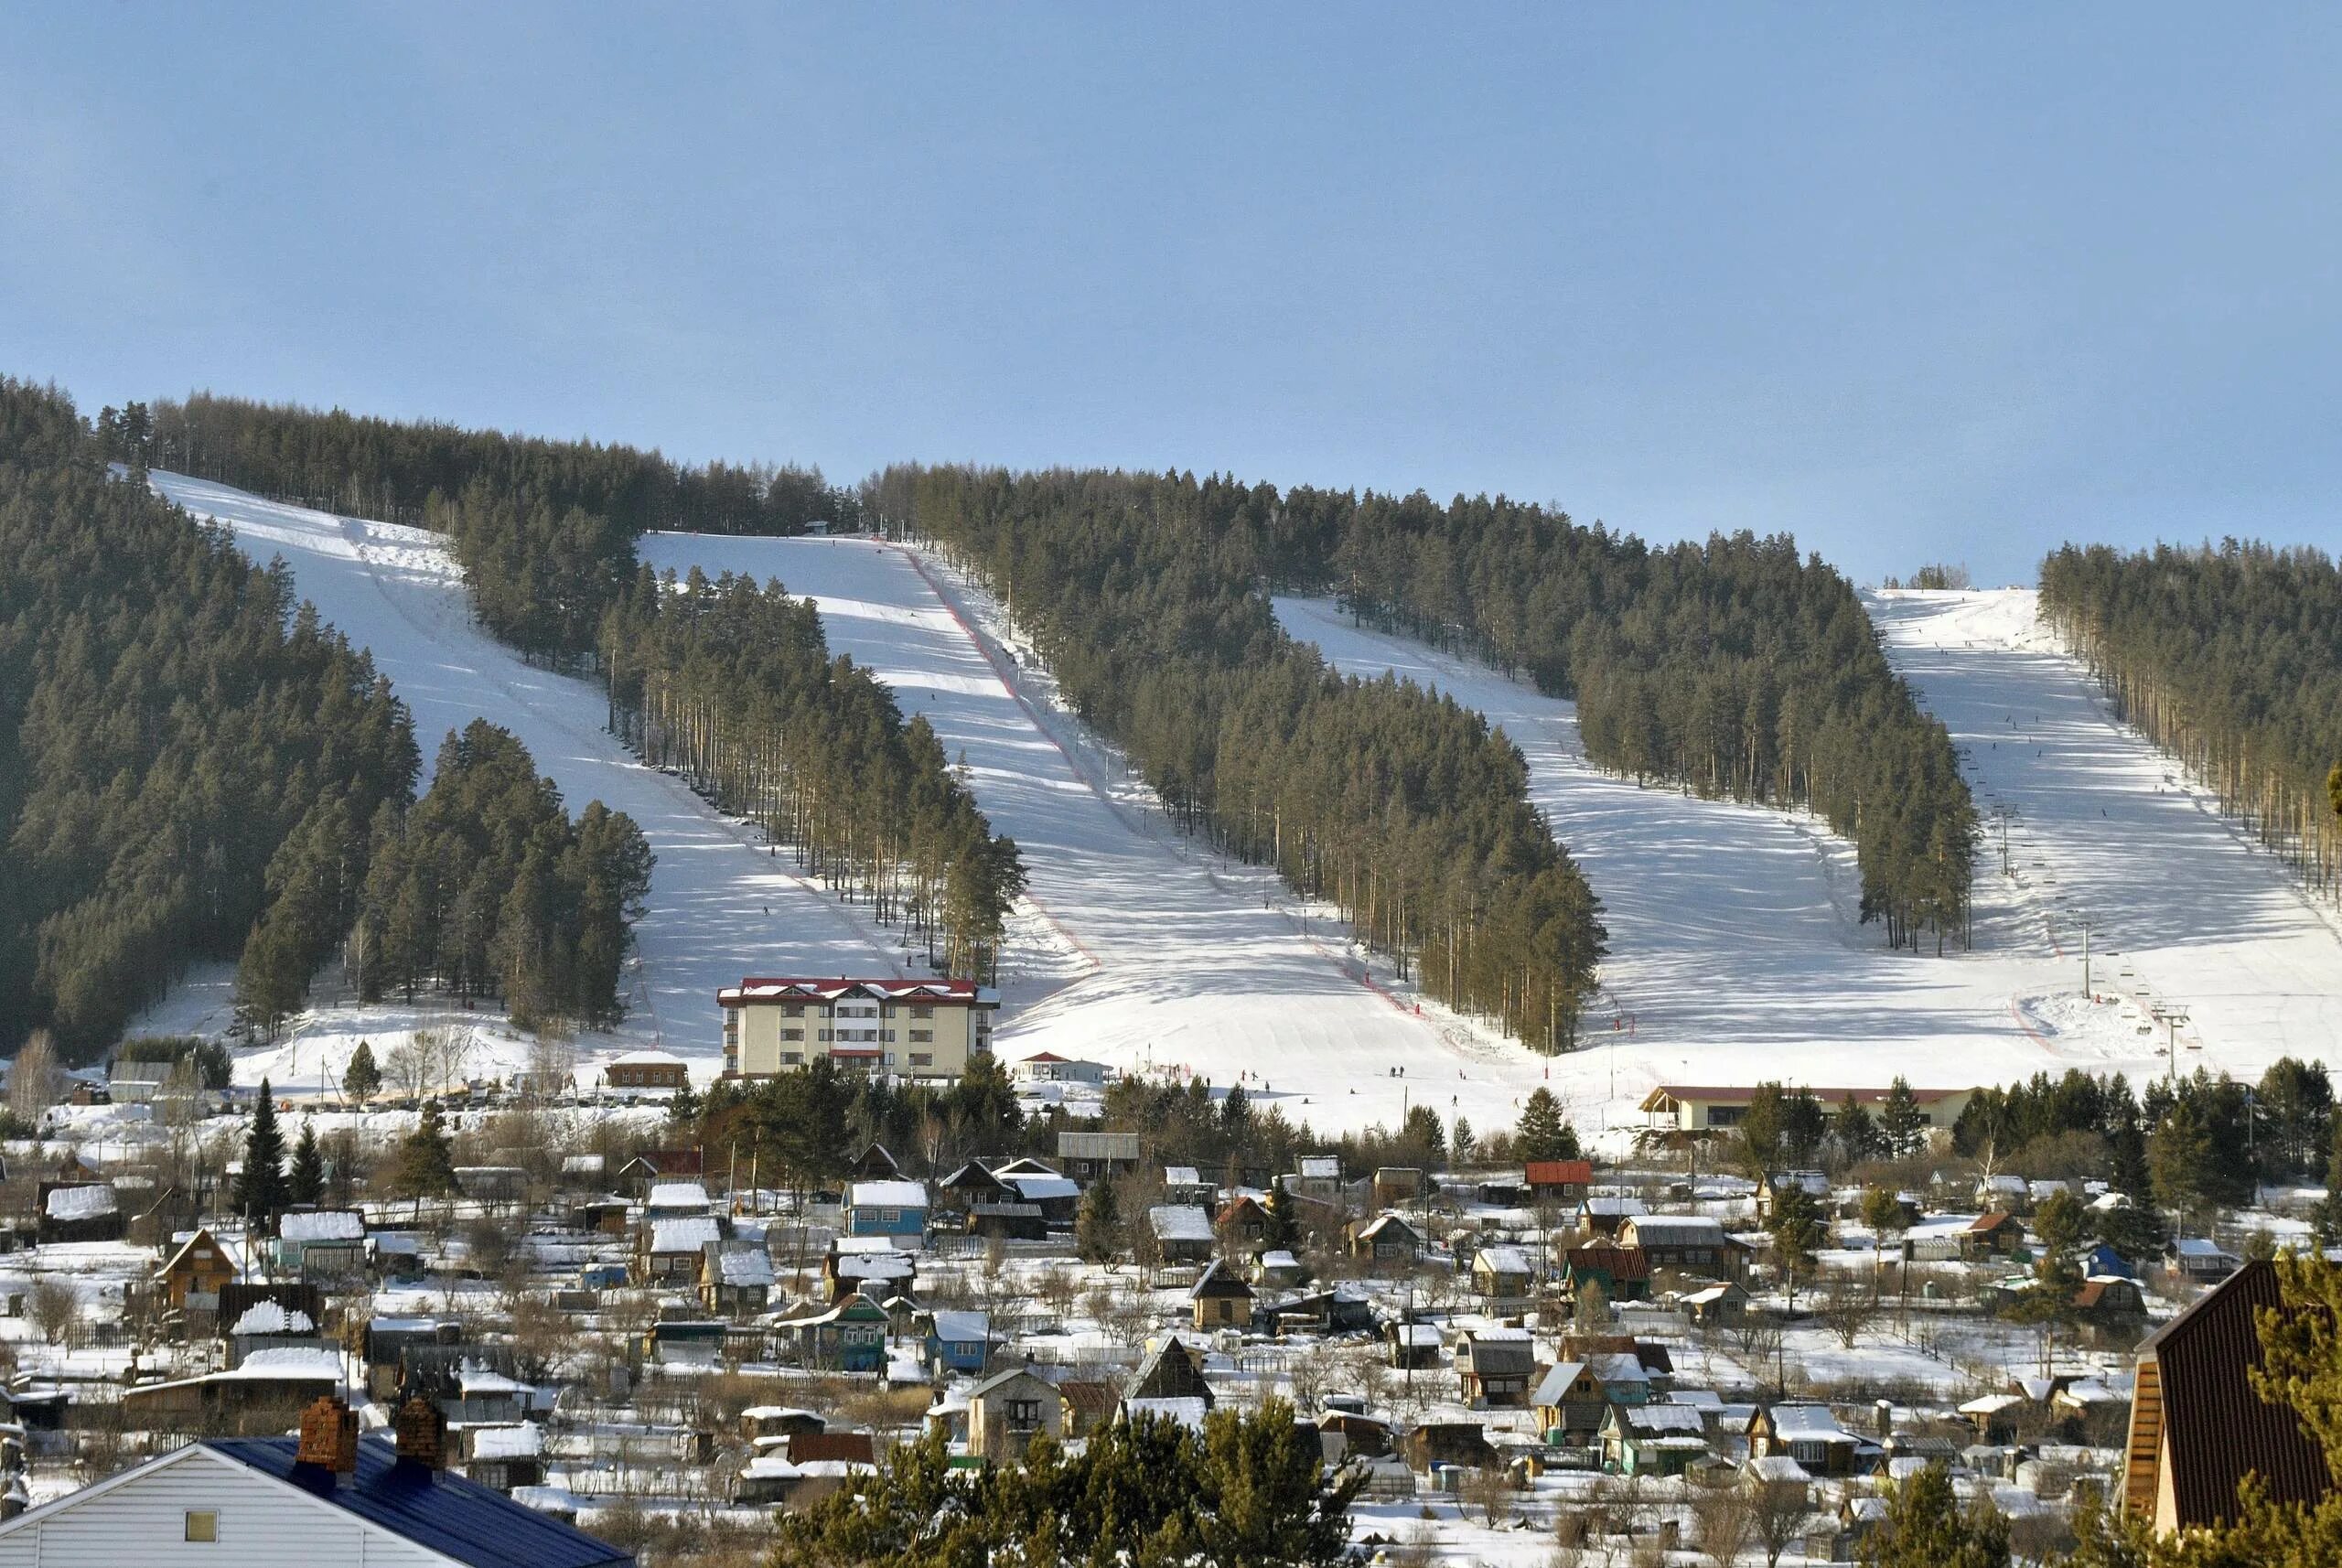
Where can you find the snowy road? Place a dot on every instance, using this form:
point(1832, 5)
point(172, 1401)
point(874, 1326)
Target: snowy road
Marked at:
point(719, 906)
point(1150, 955)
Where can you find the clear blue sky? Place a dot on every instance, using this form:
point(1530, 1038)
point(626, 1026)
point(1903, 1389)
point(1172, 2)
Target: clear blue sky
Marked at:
point(1912, 282)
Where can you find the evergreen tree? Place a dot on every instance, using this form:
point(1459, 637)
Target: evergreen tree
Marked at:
point(362, 1080)
point(2329, 1215)
point(2179, 1159)
point(1279, 1232)
point(1098, 1224)
point(306, 1181)
point(261, 1193)
point(1883, 1213)
point(1542, 1130)
point(1901, 1123)
point(426, 1166)
point(1798, 1230)
point(683, 1108)
point(1925, 1527)
point(1854, 1133)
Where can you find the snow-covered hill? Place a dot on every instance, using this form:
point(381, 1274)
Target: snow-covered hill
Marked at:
point(720, 907)
point(1155, 955)
point(1735, 952)
point(2186, 911)
point(1734, 947)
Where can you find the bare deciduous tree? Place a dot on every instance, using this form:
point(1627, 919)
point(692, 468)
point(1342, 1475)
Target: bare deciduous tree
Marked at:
point(36, 1078)
point(55, 1306)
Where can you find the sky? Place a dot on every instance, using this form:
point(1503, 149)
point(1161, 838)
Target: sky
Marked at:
point(1913, 284)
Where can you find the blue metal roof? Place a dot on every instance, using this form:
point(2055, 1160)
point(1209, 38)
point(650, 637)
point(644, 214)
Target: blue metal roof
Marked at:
point(447, 1514)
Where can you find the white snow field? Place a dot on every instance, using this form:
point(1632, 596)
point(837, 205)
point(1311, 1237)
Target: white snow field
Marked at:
point(2186, 913)
point(1153, 956)
point(1735, 943)
point(720, 907)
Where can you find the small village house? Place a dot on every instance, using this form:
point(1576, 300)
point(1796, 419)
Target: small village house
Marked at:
point(1008, 1410)
point(1494, 1367)
point(1221, 1297)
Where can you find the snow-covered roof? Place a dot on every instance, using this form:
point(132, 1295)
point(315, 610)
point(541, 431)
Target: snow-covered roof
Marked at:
point(1616, 1207)
point(475, 1379)
point(1037, 1189)
point(845, 1246)
point(322, 1225)
point(1179, 1222)
point(1279, 1258)
point(272, 1317)
point(769, 1468)
point(1187, 1411)
point(583, 1165)
point(1676, 1228)
point(963, 1327)
point(1807, 1421)
point(1556, 1383)
point(677, 1195)
point(874, 1266)
point(1658, 1420)
point(685, 1233)
point(743, 1266)
point(1504, 1260)
point(647, 1059)
point(960, 992)
point(524, 1441)
point(85, 1202)
point(294, 1361)
point(1182, 1175)
point(887, 1195)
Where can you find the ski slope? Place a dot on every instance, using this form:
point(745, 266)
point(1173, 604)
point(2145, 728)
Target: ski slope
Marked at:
point(1736, 950)
point(2186, 911)
point(719, 907)
point(1735, 945)
point(1149, 954)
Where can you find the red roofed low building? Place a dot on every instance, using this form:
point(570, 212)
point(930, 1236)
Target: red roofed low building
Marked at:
point(1558, 1181)
point(909, 1028)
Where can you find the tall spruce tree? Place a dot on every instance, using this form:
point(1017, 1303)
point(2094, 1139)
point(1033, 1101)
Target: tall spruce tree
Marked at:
point(260, 1192)
point(306, 1181)
point(1901, 1121)
point(362, 1080)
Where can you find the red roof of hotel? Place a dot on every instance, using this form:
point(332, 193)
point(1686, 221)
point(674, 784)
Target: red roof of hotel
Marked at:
point(830, 988)
point(1747, 1091)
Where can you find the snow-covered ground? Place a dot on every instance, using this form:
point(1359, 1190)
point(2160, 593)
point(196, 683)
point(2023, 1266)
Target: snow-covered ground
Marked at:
point(1736, 952)
point(1151, 955)
point(2185, 912)
point(719, 907)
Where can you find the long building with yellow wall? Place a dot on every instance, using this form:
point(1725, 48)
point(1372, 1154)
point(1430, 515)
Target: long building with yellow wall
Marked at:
point(909, 1028)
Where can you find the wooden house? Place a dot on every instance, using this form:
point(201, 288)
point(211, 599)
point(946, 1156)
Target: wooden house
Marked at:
point(1221, 1297)
point(1494, 1367)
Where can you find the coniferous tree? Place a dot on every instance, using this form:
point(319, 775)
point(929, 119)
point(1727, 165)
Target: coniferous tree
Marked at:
point(1855, 1133)
point(1539, 1134)
point(1098, 1224)
point(2180, 1158)
point(1901, 1123)
point(261, 1192)
point(1925, 1527)
point(306, 1181)
point(1798, 1229)
point(362, 1080)
point(426, 1159)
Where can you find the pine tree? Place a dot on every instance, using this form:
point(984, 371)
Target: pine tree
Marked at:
point(259, 1189)
point(1097, 1227)
point(1542, 1130)
point(1279, 1232)
point(307, 1182)
point(1925, 1527)
point(1901, 1121)
point(362, 1080)
point(2180, 1158)
point(1855, 1133)
point(1798, 1231)
point(2328, 1217)
point(426, 1159)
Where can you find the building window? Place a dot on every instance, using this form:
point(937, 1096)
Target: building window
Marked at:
point(1024, 1415)
point(886, 1036)
point(888, 1059)
point(921, 1035)
point(793, 1010)
point(922, 1012)
point(203, 1524)
point(792, 1034)
point(792, 1059)
point(821, 1034)
point(890, 1217)
point(922, 1059)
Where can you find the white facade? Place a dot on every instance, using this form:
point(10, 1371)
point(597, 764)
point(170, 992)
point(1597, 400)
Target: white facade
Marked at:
point(142, 1516)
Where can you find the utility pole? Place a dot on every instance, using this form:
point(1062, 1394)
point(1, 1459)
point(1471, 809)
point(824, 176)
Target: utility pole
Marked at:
point(2085, 955)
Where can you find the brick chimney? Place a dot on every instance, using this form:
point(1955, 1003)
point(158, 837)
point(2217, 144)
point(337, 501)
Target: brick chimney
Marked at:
point(422, 1433)
point(329, 1436)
